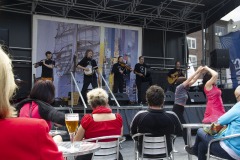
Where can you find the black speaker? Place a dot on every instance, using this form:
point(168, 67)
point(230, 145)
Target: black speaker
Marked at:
point(4, 36)
point(169, 97)
point(228, 96)
point(122, 99)
point(196, 97)
point(219, 58)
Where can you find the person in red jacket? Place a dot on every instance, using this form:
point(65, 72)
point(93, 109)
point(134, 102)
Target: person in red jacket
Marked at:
point(102, 122)
point(21, 138)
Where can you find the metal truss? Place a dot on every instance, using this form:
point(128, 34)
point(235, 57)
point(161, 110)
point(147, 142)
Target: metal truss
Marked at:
point(169, 15)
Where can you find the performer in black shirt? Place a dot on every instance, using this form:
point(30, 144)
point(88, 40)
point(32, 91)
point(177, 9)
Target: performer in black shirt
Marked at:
point(90, 68)
point(47, 67)
point(142, 75)
point(119, 70)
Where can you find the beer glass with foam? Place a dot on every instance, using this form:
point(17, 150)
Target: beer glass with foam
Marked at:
point(71, 121)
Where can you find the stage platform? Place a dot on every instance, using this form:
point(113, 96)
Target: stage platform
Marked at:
point(193, 113)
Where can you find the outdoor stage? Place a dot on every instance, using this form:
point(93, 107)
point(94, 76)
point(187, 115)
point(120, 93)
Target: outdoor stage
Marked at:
point(193, 113)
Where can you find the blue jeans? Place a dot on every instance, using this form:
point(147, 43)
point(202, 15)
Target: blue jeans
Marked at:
point(201, 145)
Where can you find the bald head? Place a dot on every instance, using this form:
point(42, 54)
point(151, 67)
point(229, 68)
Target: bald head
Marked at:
point(237, 93)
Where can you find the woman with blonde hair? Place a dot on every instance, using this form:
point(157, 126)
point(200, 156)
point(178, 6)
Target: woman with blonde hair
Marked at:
point(26, 139)
point(102, 122)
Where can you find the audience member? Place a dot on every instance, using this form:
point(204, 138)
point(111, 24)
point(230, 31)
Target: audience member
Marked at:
point(214, 107)
point(38, 105)
point(102, 122)
point(156, 120)
point(20, 138)
point(181, 97)
point(227, 149)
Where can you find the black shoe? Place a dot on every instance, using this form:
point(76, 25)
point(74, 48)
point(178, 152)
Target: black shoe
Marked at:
point(190, 150)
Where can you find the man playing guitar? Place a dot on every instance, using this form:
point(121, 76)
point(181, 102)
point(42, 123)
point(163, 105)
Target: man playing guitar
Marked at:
point(90, 68)
point(173, 74)
point(142, 75)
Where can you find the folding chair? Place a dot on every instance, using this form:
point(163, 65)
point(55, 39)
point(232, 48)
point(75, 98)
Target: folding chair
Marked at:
point(215, 140)
point(109, 150)
point(152, 147)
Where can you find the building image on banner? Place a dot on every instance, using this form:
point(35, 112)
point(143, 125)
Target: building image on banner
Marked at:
point(69, 39)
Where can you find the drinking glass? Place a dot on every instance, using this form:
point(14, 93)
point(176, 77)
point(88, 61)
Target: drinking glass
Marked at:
point(71, 121)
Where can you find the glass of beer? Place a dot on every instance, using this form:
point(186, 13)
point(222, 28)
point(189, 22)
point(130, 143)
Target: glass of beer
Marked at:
point(71, 121)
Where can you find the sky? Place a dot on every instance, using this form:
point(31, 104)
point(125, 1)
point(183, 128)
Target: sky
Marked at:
point(234, 15)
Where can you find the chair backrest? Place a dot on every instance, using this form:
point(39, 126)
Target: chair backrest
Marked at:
point(109, 150)
point(153, 147)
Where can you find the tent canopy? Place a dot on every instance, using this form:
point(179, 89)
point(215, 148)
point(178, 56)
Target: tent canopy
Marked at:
point(171, 15)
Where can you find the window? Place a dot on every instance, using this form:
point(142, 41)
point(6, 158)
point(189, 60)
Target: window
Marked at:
point(218, 45)
point(193, 60)
point(220, 31)
point(192, 43)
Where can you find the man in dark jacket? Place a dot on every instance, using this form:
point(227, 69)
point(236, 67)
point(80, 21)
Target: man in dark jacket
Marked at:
point(155, 120)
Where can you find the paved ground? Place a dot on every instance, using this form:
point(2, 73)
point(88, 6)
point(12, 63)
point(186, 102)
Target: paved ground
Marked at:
point(128, 150)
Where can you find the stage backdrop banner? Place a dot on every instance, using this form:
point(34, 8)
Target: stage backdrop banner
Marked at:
point(69, 39)
point(231, 41)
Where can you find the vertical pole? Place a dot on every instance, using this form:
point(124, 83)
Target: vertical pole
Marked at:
point(71, 92)
point(186, 53)
point(203, 41)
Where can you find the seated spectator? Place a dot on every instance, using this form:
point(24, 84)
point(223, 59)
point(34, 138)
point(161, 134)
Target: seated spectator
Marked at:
point(38, 105)
point(102, 122)
point(20, 138)
point(156, 120)
point(227, 149)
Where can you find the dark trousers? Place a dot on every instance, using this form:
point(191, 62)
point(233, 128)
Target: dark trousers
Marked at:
point(139, 86)
point(179, 110)
point(201, 144)
point(118, 85)
point(86, 82)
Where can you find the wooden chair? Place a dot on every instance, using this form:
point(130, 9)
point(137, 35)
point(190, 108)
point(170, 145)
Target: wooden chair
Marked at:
point(152, 147)
point(215, 140)
point(109, 150)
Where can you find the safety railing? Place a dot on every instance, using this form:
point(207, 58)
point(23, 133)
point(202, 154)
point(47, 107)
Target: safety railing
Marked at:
point(73, 80)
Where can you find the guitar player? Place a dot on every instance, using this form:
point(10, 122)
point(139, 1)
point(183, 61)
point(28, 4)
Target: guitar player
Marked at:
point(90, 68)
point(173, 75)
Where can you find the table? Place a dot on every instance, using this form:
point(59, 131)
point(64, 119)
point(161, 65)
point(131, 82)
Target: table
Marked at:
point(189, 127)
point(57, 132)
point(82, 148)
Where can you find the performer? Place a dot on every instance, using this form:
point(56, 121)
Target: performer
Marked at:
point(173, 75)
point(90, 68)
point(119, 69)
point(181, 97)
point(47, 67)
point(142, 75)
point(214, 106)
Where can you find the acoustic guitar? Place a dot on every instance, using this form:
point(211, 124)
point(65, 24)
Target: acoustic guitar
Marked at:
point(171, 79)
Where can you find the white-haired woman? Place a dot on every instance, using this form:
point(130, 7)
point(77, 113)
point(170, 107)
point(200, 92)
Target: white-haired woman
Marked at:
point(28, 139)
point(102, 122)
